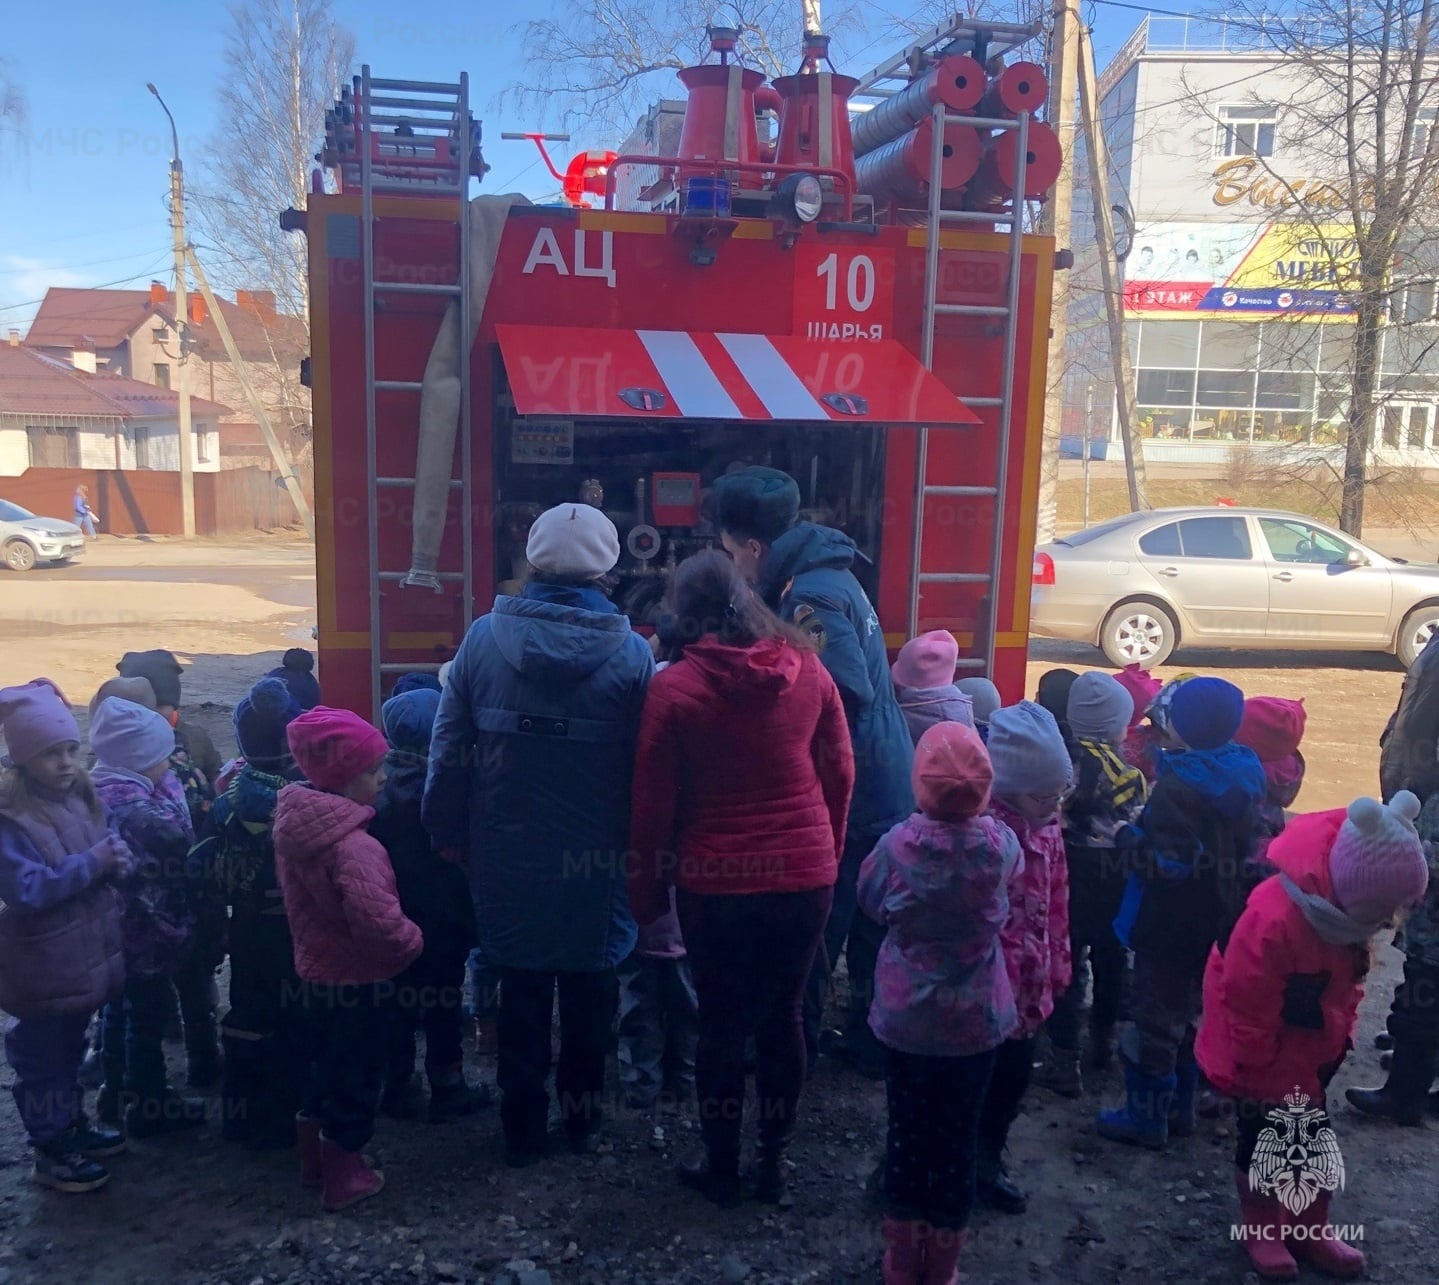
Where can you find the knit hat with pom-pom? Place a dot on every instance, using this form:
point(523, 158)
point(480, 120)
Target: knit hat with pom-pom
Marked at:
point(1377, 863)
point(261, 720)
point(297, 672)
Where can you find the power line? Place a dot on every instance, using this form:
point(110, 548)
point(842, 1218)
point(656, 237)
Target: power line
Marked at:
point(139, 276)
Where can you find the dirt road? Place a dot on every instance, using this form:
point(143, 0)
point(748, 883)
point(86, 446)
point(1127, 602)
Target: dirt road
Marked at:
point(196, 1210)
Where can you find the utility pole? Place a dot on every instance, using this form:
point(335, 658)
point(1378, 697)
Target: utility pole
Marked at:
point(1109, 272)
point(182, 321)
point(257, 407)
point(1058, 214)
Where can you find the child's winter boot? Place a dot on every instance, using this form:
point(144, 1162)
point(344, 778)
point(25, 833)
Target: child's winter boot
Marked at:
point(1263, 1219)
point(1317, 1243)
point(1183, 1107)
point(61, 1167)
point(348, 1176)
point(715, 1177)
point(904, 1243)
point(452, 1096)
point(942, 1248)
point(154, 1115)
point(97, 1143)
point(307, 1134)
point(996, 1188)
point(771, 1176)
point(1143, 1120)
point(1402, 1097)
point(1060, 1073)
point(1101, 1046)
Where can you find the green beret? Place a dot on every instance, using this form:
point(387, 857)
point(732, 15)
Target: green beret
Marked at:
point(756, 501)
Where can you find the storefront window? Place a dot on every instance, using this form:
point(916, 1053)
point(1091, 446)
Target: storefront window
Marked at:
point(1167, 387)
point(1226, 387)
point(1229, 345)
point(1163, 422)
point(1170, 343)
point(1283, 391)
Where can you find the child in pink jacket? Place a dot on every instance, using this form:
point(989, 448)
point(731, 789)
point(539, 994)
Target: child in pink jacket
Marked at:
point(350, 936)
point(1032, 771)
point(942, 1000)
point(1279, 1011)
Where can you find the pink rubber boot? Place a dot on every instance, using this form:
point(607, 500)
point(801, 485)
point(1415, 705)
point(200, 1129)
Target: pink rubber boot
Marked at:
point(942, 1248)
point(1317, 1243)
point(1264, 1221)
point(348, 1177)
point(903, 1252)
point(308, 1133)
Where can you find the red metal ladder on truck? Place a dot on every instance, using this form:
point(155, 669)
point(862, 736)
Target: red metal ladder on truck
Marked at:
point(427, 153)
point(960, 35)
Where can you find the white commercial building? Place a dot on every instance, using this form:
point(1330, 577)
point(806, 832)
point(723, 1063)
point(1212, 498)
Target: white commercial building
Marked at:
point(1239, 323)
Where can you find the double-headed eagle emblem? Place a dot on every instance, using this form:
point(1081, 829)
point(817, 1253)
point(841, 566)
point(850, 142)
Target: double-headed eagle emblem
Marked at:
point(1298, 1157)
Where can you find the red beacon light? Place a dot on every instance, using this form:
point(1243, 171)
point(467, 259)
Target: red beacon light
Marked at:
point(585, 175)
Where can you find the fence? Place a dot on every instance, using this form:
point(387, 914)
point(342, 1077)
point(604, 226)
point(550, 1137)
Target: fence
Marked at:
point(141, 502)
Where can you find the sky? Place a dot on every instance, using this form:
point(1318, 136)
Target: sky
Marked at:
point(83, 187)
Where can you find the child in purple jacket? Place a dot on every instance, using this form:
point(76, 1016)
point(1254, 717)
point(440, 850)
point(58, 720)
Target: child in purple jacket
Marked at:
point(943, 1003)
point(60, 954)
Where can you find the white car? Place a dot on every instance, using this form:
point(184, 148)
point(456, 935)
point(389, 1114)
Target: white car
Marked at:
point(26, 539)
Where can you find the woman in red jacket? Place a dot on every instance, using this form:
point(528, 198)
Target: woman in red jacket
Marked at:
point(742, 786)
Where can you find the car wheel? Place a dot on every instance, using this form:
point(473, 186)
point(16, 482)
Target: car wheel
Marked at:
point(1418, 628)
point(1138, 633)
point(19, 555)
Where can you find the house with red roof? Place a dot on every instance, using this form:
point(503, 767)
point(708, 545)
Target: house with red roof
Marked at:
point(132, 333)
point(55, 416)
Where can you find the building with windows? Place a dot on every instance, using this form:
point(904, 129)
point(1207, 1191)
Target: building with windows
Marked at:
point(1238, 318)
point(53, 416)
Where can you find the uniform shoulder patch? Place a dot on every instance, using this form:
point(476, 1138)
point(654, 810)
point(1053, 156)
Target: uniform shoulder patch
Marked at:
point(810, 623)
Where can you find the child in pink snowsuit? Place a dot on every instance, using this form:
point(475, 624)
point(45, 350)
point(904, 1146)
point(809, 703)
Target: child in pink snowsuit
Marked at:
point(938, 882)
point(1031, 774)
point(1280, 1002)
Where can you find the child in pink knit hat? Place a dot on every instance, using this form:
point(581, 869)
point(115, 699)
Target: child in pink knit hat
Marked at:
point(60, 952)
point(1280, 1005)
point(924, 683)
point(351, 938)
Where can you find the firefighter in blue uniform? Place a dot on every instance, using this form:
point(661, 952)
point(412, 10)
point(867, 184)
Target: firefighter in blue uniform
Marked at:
point(803, 571)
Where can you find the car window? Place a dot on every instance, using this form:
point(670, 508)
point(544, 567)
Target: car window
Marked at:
point(13, 512)
point(1080, 538)
point(1162, 542)
point(1292, 541)
point(1226, 537)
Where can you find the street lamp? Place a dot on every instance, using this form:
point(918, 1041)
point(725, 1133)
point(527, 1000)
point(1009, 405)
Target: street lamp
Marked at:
point(182, 318)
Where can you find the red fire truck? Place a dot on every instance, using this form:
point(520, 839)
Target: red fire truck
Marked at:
point(756, 296)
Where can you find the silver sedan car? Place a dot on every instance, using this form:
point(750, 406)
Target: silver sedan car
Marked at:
point(1143, 584)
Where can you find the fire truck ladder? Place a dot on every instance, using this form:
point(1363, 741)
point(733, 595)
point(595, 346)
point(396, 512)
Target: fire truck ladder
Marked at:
point(984, 41)
point(416, 138)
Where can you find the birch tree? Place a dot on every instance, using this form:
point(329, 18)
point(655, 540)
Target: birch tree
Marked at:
point(285, 61)
point(607, 60)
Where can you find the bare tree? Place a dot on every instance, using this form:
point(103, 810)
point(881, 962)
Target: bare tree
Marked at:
point(601, 60)
point(1360, 99)
point(285, 61)
point(14, 107)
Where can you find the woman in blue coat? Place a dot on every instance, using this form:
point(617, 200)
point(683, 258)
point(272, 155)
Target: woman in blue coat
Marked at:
point(530, 773)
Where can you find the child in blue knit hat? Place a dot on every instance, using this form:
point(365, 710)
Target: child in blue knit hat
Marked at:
point(435, 894)
point(263, 1032)
point(1189, 852)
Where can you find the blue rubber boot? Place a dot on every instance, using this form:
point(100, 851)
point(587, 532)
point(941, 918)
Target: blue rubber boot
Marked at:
point(1143, 1120)
point(1182, 1119)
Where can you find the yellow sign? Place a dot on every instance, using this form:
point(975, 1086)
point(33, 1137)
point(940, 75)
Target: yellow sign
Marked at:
point(1302, 256)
